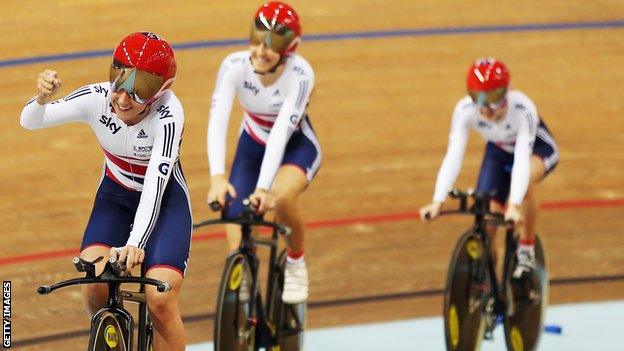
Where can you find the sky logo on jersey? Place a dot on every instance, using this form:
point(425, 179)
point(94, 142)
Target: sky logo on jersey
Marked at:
point(483, 124)
point(101, 90)
point(164, 111)
point(249, 86)
point(108, 123)
point(300, 71)
point(142, 134)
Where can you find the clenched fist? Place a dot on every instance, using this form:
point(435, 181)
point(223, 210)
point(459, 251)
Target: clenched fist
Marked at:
point(48, 84)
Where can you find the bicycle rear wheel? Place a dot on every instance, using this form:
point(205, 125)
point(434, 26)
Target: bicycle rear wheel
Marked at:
point(463, 323)
point(288, 320)
point(523, 323)
point(233, 330)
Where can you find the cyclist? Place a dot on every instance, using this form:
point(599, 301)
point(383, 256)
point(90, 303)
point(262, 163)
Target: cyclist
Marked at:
point(519, 154)
point(277, 149)
point(142, 210)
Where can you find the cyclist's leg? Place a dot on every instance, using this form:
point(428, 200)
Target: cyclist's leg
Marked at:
point(544, 159)
point(109, 226)
point(531, 205)
point(301, 162)
point(302, 159)
point(495, 177)
point(164, 310)
point(167, 254)
point(95, 295)
point(243, 177)
point(290, 183)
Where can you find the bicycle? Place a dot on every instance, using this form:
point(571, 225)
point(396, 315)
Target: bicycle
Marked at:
point(243, 320)
point(112, 326)
point(475, 302)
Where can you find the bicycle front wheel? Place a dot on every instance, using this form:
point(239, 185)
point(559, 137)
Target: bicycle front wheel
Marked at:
point(233, 329)
point(110, 331)
point(463, 324)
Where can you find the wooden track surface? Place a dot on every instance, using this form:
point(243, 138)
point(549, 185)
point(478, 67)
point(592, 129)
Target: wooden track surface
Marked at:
point(381, 109)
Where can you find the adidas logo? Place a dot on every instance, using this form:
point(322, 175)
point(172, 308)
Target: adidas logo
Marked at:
point(276, 93)
point(142, 134)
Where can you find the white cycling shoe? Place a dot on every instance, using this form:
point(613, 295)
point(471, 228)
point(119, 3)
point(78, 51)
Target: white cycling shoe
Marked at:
point(295, 283)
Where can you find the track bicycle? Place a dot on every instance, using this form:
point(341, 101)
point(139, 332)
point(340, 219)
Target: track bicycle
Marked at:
point(112, 326)
point(243, 319)
point(475, 300)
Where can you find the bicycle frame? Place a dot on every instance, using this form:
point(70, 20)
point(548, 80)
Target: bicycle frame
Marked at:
point(480, 227)
point(267, 332)
point(493, 304)
point(113, 317)
point(475, 300)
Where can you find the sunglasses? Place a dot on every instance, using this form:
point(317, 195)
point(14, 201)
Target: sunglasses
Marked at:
point(278, 37)
point(493, 99)
point(140, 85)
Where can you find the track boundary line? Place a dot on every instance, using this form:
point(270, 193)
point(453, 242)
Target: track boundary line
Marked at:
point(418, 32)
point(329, 223)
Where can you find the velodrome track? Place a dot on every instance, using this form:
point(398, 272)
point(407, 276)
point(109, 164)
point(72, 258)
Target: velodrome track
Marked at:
point(370, 260)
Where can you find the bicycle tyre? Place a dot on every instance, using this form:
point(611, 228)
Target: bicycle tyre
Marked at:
point(288, 320)
point(463, 322)
point(233, 330)
point(524, 323)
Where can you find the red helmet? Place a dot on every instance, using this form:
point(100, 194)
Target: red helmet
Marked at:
point(487, 82)
point(144, 66)
point(487, 74)
point(277, 25)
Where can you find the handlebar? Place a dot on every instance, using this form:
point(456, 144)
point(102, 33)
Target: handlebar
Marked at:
point(250, 209)
point(248, 218)
point(480, 207)
point(112, 274)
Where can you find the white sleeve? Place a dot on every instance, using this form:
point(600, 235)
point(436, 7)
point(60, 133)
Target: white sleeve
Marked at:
point(286, 123)
point(521, 171)
point(75, 107)
point(222, 100)
point(451, 165)
point(165, 153)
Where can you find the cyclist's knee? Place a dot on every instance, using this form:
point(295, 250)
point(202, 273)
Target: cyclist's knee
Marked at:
point(95, 296)
point(164, 305)
point(161, 305)
point(496, 206)
point(286, 199)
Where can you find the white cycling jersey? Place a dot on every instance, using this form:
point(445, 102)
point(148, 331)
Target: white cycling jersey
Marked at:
point(141, 157)
point(515, 133)
point(272, 113)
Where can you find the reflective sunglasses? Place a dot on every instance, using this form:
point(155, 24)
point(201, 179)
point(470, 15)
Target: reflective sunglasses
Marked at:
point(277, 37)
point(493, 99)
point(140, 85)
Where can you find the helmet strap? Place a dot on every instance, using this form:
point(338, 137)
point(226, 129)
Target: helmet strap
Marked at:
point(146, 109)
